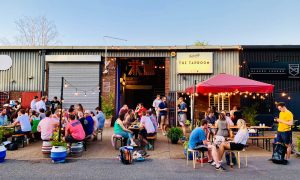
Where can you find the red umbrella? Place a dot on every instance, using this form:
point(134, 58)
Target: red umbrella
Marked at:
point(229, 83)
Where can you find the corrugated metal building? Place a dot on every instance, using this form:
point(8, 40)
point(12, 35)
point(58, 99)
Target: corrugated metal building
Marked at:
point(277, 65)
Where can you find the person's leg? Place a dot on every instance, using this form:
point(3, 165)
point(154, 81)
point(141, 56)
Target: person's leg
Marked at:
point(162, 122)
point(224, 146)
point(183, 130)
point(288, 151)
point(214, 154)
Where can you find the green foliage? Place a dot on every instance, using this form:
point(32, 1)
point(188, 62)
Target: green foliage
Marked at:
point(298, 143)
point(6, 132)
point(55, 141)
point(175, 133)
point(201, 43)
point(108, 105)
point(186, 144)
point(250, 113)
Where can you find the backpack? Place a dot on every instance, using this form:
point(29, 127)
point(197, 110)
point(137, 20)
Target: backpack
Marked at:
point(227, 156)
point(11, 146)
point(279, 151)
point(126, 155)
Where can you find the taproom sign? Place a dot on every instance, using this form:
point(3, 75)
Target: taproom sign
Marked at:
point(195, 63)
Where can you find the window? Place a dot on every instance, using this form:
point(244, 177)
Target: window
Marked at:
point(221, 102)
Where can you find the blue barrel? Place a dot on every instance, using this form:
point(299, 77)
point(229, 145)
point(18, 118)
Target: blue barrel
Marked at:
point(2, 153)
point(58, 154)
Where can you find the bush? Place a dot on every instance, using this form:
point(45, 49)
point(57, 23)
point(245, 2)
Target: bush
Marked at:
point(175, 133)
point(250, 113)
point(108, 105)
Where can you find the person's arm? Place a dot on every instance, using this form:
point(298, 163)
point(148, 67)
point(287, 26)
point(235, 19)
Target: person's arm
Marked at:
point(123, 127)
point(290, 123)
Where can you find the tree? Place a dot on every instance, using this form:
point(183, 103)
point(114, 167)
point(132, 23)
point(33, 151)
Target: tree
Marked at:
point(34, 31)
point(200, 43)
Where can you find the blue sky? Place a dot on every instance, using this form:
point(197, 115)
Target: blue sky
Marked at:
point(162, 22)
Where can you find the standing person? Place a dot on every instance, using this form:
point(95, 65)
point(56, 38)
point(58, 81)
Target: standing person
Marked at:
point(74, 130)
point(234, 108)
point(222, 126)
point(46, 126)
point(100, 118)
point(41, 104)
point(24, 121)
point(3, 118)
point(79, 108)
point(54, 104)
point(155, 104)
point(237, 115)
point(285, 122)
point(182, 110)
point(33, 103)
point(228, 119)
point(163, 109)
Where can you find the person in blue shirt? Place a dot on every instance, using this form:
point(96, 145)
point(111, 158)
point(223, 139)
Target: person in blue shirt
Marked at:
point(100, 117)
point(163, 112)
point(3, 118)
point(182, 110)
point(89, 123)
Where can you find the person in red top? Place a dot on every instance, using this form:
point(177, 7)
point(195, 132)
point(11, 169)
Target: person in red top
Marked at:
point(74, 130)
point(140, 109)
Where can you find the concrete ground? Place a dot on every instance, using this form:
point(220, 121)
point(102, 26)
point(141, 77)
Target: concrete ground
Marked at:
point(104, 149)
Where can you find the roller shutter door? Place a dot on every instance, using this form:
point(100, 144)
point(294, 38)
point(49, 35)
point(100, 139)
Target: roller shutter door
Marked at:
point(83, 76)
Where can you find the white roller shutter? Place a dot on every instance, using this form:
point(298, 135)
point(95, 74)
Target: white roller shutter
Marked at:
point(84, 76)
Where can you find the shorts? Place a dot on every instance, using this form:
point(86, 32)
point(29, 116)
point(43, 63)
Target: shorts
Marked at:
point(236, 146)
point(284, 137)
point(200, 147)
point(164, 120)
point(144, 134)
point(182, 119)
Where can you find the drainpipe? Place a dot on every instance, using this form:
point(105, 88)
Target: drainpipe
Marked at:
point(43, 54)
point(100, 83)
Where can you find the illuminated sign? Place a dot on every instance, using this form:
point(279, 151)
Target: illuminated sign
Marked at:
point(195, 63)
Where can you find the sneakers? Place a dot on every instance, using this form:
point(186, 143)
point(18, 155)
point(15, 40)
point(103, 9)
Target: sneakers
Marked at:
point(149, 146)
point(133, 144)
point(220, 168)
point(213, 163)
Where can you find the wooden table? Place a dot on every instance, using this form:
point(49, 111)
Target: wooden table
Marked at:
point(135, 131)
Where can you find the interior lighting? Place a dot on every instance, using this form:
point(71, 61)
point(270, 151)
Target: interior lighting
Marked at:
point(289, 98)
point(283, 94)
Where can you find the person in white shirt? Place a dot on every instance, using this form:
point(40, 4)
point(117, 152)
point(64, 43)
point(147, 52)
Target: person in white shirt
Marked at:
point(147, 129)
point(24, 121)
point(33, 103)
point(41, 104)
point(239, 142)
point(155, 104)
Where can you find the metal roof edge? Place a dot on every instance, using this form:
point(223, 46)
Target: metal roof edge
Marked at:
point(264, 47)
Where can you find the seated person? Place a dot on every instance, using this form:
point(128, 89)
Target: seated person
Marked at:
point(147, 129)
point(3, 118)
point(42, 114)
point(120, 129)
point(24, 121)
point(47, 126)
point(198, 139)
point(222, 126)
point(239, 142)
point(211, 118)
point(88, 123)
point(153, 118)
point(74, 131)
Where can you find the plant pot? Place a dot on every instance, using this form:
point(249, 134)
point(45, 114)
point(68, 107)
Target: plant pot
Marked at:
point(298, 144)
point(58, 154)
point(174, 141)
point(2, 153)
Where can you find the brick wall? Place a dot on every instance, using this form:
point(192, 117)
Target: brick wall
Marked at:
point(167, 76)
point(15, 95)
point(109, 80)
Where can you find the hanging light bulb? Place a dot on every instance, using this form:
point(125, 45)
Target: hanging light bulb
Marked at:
point(266, 94)
point(250, 94)
point(283, 94)
point(289, 98)
point(254, 97)
point(66, 85)
point(76, 93)
point(245, 96)
point(209, 94)
point(257, 94)
point(84, 93)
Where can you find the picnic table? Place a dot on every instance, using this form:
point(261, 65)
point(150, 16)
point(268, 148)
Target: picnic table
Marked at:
point(135, 129)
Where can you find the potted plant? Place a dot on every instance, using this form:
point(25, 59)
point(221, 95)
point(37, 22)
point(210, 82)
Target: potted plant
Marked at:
point(174, 134)
point(250, 113)
point(59, 149)
point(298, 144)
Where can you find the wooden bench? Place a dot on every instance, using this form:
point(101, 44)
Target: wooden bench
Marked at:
point(266, 141)
point(151, 140)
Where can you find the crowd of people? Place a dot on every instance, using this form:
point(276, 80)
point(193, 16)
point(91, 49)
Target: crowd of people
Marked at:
point(42, 119)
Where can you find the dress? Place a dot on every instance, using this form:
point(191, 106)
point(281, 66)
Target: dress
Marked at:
point(222, 128)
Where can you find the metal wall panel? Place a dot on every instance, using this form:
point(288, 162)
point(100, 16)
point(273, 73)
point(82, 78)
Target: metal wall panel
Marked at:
point(24, 65)
point(224, 62)
point(262, 55)
point(83, 76)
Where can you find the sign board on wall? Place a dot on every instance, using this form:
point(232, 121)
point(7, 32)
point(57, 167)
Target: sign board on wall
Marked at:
point(106, 87)
point(195, 63)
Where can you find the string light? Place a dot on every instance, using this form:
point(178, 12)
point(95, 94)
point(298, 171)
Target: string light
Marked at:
point(245, 96)
point(84, 93)
point(283, 94)
point(66, 85)
point(76, 93)
point(254, 97)
point(289, 98)
point(257, 94)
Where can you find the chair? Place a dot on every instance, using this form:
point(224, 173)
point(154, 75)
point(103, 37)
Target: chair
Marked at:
point(193, 151)
point(238, 156)
point(114, 140)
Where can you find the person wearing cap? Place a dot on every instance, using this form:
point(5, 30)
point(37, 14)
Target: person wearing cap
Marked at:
point(33, 103)
point(89, 123)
